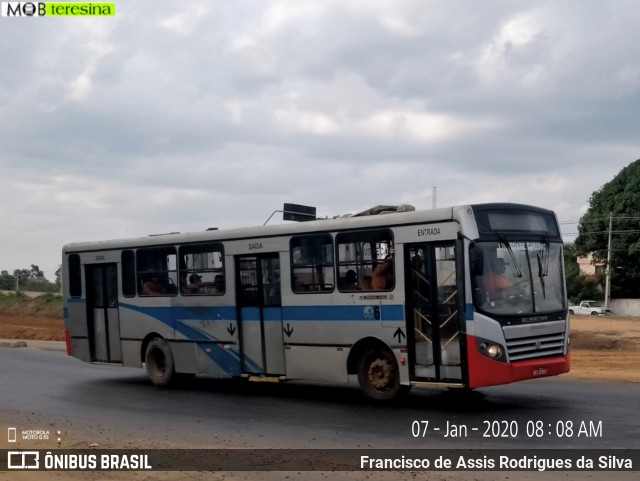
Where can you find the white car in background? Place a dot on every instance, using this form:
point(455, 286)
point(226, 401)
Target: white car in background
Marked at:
point(589, 308)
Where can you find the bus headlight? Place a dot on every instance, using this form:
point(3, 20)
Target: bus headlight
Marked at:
point(494, 351)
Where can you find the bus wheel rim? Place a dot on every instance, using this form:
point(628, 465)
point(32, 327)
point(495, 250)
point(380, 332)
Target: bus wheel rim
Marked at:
point(380, 374)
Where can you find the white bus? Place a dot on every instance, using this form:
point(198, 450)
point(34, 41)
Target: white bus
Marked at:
point(467, 296)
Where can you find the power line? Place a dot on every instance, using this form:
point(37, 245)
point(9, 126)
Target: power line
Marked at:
point(619, 231)
point(599, 219)
point(630, 231)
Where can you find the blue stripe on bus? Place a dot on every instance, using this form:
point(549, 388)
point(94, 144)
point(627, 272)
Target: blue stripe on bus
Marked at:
point(167, 315)
point(468, 312)
point(229, 359)
point(204, 313)
point(342, 313)
point(272, 314)
point(226, 359)
point(250, 313)
point(200, 313)
point(323, 313)
point(289, 313)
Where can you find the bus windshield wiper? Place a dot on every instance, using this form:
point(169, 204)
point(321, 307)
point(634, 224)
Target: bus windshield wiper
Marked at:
point(541, 273)
point(514, 263)
point(545, 271)
point(543, 263)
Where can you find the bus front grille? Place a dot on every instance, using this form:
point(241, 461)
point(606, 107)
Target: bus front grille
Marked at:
point(535, 347)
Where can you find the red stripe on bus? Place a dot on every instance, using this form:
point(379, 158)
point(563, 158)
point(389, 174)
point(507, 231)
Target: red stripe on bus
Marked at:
point(67, 340)
point(484, 371)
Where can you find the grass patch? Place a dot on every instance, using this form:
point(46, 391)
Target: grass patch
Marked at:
point(49, 297)
point(48, 304)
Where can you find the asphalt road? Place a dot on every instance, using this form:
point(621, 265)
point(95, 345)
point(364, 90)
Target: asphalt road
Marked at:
point(93, 403)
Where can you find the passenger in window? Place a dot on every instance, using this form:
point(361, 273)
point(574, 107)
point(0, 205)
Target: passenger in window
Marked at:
point(218, 284)
point(196, 286)
point(382, 277)
point(153, 287)
point(350, 281)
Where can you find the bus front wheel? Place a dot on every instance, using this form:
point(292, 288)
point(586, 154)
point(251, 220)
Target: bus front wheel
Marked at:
point(159, 362)
point(378, 375)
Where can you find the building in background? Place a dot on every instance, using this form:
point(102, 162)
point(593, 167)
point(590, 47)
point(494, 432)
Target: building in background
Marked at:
point(590, 266)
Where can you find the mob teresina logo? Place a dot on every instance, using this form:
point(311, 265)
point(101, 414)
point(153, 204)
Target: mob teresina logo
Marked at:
point(58, 9)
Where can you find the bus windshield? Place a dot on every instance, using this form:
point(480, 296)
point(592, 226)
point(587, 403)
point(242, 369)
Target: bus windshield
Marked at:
point(518, 278)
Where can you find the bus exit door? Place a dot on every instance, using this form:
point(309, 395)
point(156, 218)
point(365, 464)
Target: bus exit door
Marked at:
point(433, 312)
point(102, 313)
point(260, 314)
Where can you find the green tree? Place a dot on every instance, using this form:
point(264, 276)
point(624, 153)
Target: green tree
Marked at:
point(36, 273)
point(28, 280)
point(23, 275)
point(580, 286)
point(621, 198)
point(7, 281)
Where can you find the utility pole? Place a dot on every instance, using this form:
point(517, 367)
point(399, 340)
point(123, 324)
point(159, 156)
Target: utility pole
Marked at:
point(433, 198)
point(607, 283)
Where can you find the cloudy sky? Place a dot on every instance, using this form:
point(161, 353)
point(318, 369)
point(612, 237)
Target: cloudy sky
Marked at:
point(178, 116)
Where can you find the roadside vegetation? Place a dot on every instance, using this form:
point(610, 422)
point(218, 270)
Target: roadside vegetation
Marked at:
point(32, 279)
point(609, 230)
point(45, 305)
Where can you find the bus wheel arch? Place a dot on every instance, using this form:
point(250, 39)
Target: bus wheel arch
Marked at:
point(158, 359)
point(145, 342)
point(377, 369)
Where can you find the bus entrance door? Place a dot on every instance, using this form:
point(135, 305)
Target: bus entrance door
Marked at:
point(102, 313)
point(260, 314)
point(432, 312)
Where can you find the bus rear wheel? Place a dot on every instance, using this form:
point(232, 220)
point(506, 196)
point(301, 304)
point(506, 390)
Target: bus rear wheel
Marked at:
point(378, 375)
point(159, 362)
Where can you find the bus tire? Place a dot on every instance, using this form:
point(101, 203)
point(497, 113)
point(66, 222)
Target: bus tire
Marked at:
point(159, 363)
point(378, 375)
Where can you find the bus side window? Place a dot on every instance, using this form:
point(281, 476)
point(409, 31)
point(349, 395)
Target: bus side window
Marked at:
point(75, 276)
point(202, 270)
point(156, 271)
point(312, 263)
point(370, 254)
point(128, 274)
